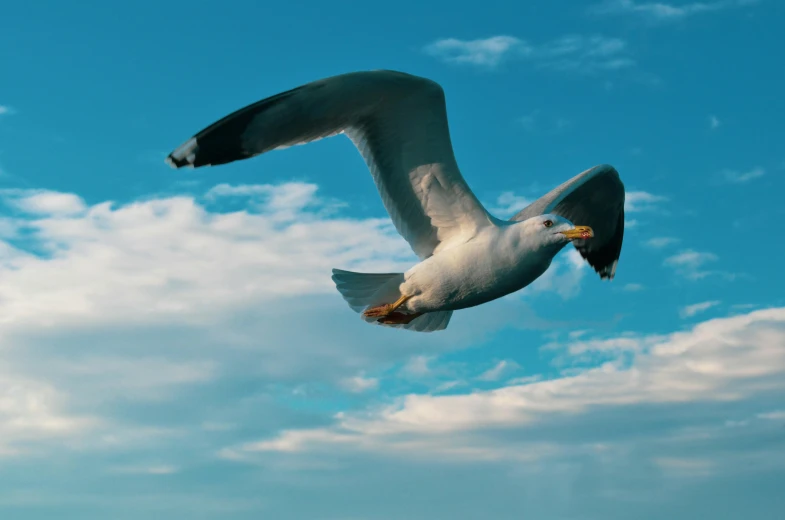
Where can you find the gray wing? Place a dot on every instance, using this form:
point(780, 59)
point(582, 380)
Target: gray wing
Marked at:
point(593, 198)
point(399, 124)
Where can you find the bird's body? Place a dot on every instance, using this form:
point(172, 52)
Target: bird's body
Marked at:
point(467, 257)
point(501, 259)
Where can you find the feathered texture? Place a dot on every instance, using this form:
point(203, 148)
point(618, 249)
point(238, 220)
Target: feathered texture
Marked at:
point(363, 290)
point(397, 121)
point(593, 198)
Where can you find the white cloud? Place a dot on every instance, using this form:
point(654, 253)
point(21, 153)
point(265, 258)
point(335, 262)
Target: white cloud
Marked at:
point(447, 385)
point(680, 467)
point(696, 308)
point(292, 196)
point(132, 305)
point(171, 257)
point(728, 360)
point(359, 384)
point(508, 204)
point(418, 366)
point(714, 122)
point(563, 277)
point(777, 415)
point(43, 202)
point(282, 202)
point(484, 52)
point(665, 12)
point(146, 470)
point(577, 349)
point(501, 369)
point(691, 258)
point(525, 380)
point(137, 302)
point(633, 287)
point(689, 263)
point(168, 326)
point(585, 54)
point(5, 109)
point(660, 242)
point(576, 53)
point(31, 410)
point(137, 378)
point(636, 201)
point(738, 177)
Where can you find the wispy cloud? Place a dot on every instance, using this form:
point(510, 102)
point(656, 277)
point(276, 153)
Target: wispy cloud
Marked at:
point(487, 52)
point(359, 384)
point(448, 385)
point(146, 470)
point(501, 369)
point(537, 122)
point(93, 321)
point(777, 415)
point(741, 177)
point(714, 122)
point(660, 242)
point(690, 263)
point(164, 330)
point(4, 109)
point(525, 380)
point(508, 204)
point(282, 201)
point(155, 236)
point(528, 122)
point(563, 277)
point(633, 287)
point(636, 201)
point(665, 12)
point(418, 366)
point(682, 466)
point(43, 202)
point(697, 308)
point(570, 53)
point(137, 305)
point(723, 360)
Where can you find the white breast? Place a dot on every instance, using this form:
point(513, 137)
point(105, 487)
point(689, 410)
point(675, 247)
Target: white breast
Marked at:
point(498, 261)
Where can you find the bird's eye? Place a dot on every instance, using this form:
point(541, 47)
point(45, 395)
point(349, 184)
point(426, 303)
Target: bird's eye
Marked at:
point(548, 223)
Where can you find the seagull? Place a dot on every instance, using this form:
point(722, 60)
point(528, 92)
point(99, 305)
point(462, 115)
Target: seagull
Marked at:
point(468, 257)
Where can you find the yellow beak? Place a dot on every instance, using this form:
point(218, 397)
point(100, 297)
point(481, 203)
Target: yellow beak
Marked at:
point(578, 232)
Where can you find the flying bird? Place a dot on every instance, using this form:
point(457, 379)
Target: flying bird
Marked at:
point(468, 257)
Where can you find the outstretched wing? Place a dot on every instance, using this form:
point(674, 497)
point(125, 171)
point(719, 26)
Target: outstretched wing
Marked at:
point(399, 124)
point(593, 198)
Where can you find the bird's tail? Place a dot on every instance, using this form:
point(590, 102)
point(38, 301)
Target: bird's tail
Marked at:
point(363, 290)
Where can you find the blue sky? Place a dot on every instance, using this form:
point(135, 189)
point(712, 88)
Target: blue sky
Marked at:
point(172, 345)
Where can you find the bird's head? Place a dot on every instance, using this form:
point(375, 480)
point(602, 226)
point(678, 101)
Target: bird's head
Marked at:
point(554, 230)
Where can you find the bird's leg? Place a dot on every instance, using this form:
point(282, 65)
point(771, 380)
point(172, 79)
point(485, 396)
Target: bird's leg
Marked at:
point(399, 318)
point(382, 311)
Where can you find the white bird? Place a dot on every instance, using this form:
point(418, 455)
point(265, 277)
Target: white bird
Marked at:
point(468, 257)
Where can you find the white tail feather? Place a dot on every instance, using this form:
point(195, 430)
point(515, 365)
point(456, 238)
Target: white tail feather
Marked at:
point(363, 290)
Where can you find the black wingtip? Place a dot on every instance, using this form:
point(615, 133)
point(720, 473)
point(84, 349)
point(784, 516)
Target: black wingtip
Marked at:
point(184, 155)
point(176, 163)
point(605, 168)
